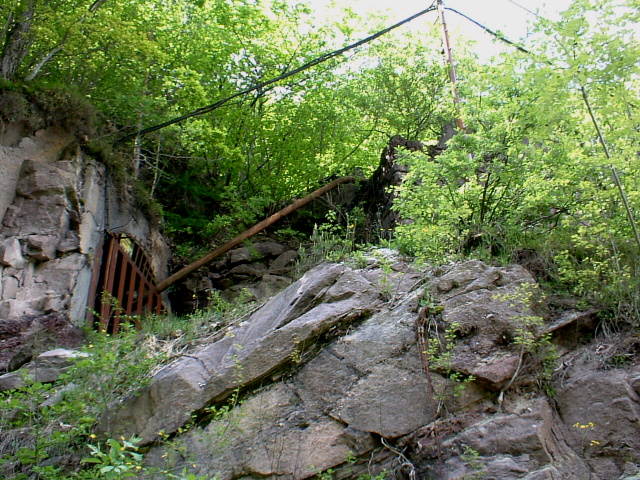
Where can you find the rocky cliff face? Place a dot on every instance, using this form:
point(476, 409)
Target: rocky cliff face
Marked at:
point(422, 374)
point(55, 206)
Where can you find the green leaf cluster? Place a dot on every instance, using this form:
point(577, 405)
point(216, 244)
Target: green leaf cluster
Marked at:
point(531, 173)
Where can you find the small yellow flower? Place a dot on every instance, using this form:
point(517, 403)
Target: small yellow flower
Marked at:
point(93, 435)
point(595, 442)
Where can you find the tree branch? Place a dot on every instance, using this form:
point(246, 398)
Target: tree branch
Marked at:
point(614, 171)
point(36, 70)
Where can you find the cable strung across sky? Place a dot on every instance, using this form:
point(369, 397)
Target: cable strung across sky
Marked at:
point(306, 66)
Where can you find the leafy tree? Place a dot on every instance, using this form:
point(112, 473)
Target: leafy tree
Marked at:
point(532, 171)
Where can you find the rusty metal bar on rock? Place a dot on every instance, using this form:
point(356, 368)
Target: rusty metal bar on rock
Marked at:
point(180, 274)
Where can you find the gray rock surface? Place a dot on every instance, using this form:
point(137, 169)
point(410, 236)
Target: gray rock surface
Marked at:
point(45, 368)
point(488, 305)
point(258, 270)
point(359, 391)
point(330, 296)
point(602, 412)
point(23, 339)
point(55, 205)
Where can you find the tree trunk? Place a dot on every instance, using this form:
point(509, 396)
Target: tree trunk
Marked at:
point(18, 41)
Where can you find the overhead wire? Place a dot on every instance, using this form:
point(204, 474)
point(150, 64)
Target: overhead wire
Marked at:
point(499, 36)
point(524, 8)
point(306, 66)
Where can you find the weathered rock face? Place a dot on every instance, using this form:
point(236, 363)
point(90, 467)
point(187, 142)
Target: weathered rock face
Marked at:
point(46, 368)
point(249, 353)
point(257, 272)
point(601, 409)
point(487, 305)
point(55, 205)
point(22, 338)
point(331, 369)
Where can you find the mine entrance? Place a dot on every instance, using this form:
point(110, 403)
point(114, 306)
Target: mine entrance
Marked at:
point(122, 287)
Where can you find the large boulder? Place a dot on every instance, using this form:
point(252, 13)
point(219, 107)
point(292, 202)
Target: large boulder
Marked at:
point(328, 297)
point(329, 374)
point(45, 368)
point(487, 308)
point(601, 410)
point(23, 340)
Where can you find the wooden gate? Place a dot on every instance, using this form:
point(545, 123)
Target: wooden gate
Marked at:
point(122, 286)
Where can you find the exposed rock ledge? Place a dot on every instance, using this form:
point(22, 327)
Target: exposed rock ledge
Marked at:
point(55, 205)
point(330, 369)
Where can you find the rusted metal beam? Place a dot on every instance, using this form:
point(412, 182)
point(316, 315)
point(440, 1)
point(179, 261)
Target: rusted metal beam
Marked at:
point(110, 269)
point(127, 280)
point(250, 233)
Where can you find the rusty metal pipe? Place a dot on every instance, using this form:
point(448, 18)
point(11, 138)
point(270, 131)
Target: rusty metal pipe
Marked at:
point(180, 274)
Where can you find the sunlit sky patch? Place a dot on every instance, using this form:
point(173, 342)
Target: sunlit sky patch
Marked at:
point(513, 18)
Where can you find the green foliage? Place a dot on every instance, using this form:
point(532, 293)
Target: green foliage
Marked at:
point(351, 460)
point(47, 421)
point(527, 325)
point(330, 241)
point(528, 334)
point(218, 174)
point(440, 352)
point(61, 418)
point(114, 460)
point(471, 458)
point(385, 282)
point(531, 172)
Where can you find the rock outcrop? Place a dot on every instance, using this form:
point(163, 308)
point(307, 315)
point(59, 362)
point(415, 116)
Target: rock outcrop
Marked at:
point(329, 375)
point(46, 368)
point(257, 271)
point(55, 205)
point(248, 353)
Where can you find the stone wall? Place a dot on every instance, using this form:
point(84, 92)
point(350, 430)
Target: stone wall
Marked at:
point(55, 204)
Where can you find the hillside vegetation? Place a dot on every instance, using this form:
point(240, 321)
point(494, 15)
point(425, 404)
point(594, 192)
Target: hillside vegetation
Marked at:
point(547, 131)
point(548, 166)
point(546, 172)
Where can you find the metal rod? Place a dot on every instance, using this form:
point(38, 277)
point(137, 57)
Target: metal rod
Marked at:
point(250, 233)
point(452, 69)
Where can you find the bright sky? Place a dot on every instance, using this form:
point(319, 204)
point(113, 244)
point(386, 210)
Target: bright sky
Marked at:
point(511, 17)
